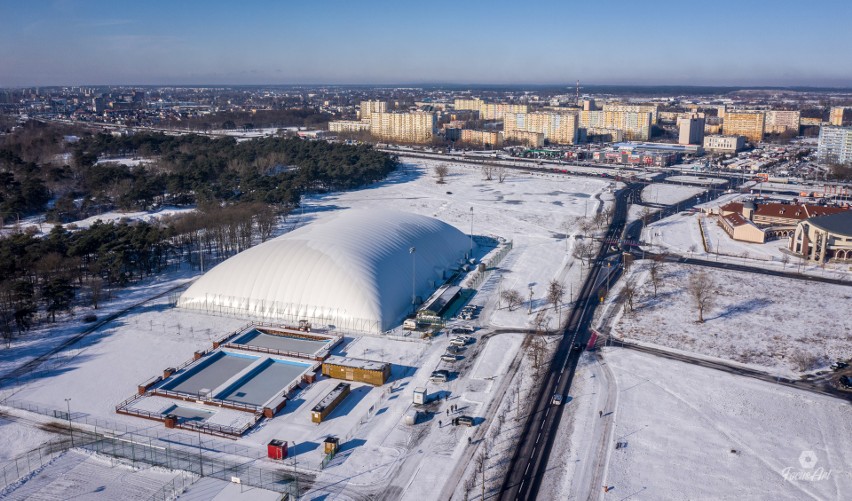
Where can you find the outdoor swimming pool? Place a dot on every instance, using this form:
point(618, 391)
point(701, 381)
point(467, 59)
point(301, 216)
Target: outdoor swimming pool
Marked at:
point(210, 373)
point(282, 342)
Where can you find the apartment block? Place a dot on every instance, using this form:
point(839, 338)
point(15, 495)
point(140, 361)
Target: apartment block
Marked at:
point(835, 144)
point(370, 107)
point(532, 139)
point(691, 129)
point(779, 121)
point(744, 123)
point(840, 116)
point(653, 109)
point(349, 126)
point(496, 111)
point(474, 104)
point(412, 127)
point(557, 127)
point(482, 137)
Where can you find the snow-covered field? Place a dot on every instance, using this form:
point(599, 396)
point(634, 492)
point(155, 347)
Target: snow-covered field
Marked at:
point(782, 324)
point(148, 216)
point(696, 433)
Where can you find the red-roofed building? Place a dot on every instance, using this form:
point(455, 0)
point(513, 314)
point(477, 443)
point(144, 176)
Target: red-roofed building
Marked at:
point(777, 219)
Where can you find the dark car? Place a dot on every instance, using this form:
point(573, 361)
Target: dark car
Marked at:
point(846, 381)
point(464, 421)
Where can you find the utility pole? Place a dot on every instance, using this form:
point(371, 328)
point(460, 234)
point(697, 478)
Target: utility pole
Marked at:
point(295, 471)
point(470, 255)
point(531, 298)
point(70, 429)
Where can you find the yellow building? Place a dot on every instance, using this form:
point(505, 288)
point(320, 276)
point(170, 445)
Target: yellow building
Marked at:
point(556, 127)
point(532, 139)
point(744, 123)
point(634, 108)
point(370, 107)
point(840, 115)
point(481, 137)
point(780, 121)
point(496, 111)
point(412, 127)
point(474, 104)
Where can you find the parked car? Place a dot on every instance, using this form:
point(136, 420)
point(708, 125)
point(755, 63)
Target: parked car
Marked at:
point(464, 421)
point(458, 341)
point(440, 376)
point(455, 349)
point(448, 357)
point(836, 366)
point(557, 399)
point(846, 381)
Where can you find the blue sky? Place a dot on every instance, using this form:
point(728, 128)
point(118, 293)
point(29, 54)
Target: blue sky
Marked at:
point(721, 42)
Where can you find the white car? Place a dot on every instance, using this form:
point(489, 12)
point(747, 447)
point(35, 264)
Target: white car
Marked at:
point(557, 399)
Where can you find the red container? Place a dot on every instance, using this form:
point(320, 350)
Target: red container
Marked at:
point(276, 449)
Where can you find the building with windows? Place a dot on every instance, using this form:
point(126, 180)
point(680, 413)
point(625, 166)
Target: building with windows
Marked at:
point(724, 144)
point(473, 104)
point(840, 116)
point(780, 121)
point(411, 127)
point(653, 109)
point(744, 123)
point(484, 138)
point(557, 127)
point(825, 238)
point(531, 139)
point(636, 126)
point(349, 126)
point(496, 111)
point(777, 219)
point(691, 129)
point(370, 107)
point(835, 144)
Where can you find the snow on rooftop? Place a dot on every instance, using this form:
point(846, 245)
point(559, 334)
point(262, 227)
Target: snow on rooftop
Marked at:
point(351, 269)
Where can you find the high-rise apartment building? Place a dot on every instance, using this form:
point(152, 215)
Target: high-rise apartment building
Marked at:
point(473, 104)
point(557, 127)
point(349, 126)
point(482, 137)
point(370, 107)
point(691, 129)
point(496, 111)
point(835, 144)
point(744, 123)
point(780, 121)
point(636, 126)
point(840, 116)
point(412, 127)
point(653, 109)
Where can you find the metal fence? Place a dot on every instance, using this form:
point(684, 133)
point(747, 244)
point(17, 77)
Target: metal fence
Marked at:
point(175, 487)
point(25, 464)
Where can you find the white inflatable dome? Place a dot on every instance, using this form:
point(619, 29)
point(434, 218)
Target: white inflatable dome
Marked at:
point(351, 270)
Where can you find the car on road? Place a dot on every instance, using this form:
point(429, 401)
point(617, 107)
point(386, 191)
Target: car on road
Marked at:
point(463, 329)
point(836, 366)
point(464, 421)
point(556, 399)
point(846, 381)
point(578, 346)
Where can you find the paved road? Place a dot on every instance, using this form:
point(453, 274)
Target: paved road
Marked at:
point(529, 462)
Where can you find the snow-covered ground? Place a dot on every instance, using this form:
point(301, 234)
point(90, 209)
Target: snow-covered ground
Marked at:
point(128, 161)
point(697, 180)
point(781, 324)
point(681, 234)
point(148, 216)
point(668, 194)
point(694, 433)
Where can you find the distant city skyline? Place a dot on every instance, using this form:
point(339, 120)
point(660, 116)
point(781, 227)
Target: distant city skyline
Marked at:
point(373, 42)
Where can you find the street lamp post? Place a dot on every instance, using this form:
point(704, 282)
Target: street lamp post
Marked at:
point(531, 298)
point(470, 255)
point(412, 251)
point(70, 429)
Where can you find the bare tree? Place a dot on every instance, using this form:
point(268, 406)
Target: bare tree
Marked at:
point(512, 297)
point(645, 214)
point(501, 174)
point(96, 287)
point(441, 170)
point(488, 172)
point(656, 272)
point(629, 292)
point(481, 461)
point(785, 260)
point(584, 250)
point(701, 289)
point(537, 349)
point(555, 293)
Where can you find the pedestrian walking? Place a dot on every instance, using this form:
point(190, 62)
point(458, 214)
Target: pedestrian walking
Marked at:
point(448, 412)
point(439, 424)
point(600, 413)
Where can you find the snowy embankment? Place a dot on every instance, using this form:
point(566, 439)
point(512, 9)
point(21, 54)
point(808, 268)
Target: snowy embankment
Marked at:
point(689, 432)
point(785, 325)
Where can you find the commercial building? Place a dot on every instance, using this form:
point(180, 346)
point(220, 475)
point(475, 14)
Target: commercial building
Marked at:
point(825, 238)
point(691, 129)
point(411, 127)
point(777, 219)
point(780, 121)
point(557, 127)
point(370, 107)
point(835, 144)
point(740, 228)
point(484, 138)
point(744, 123)
point(349, 126)
point(724, 144)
